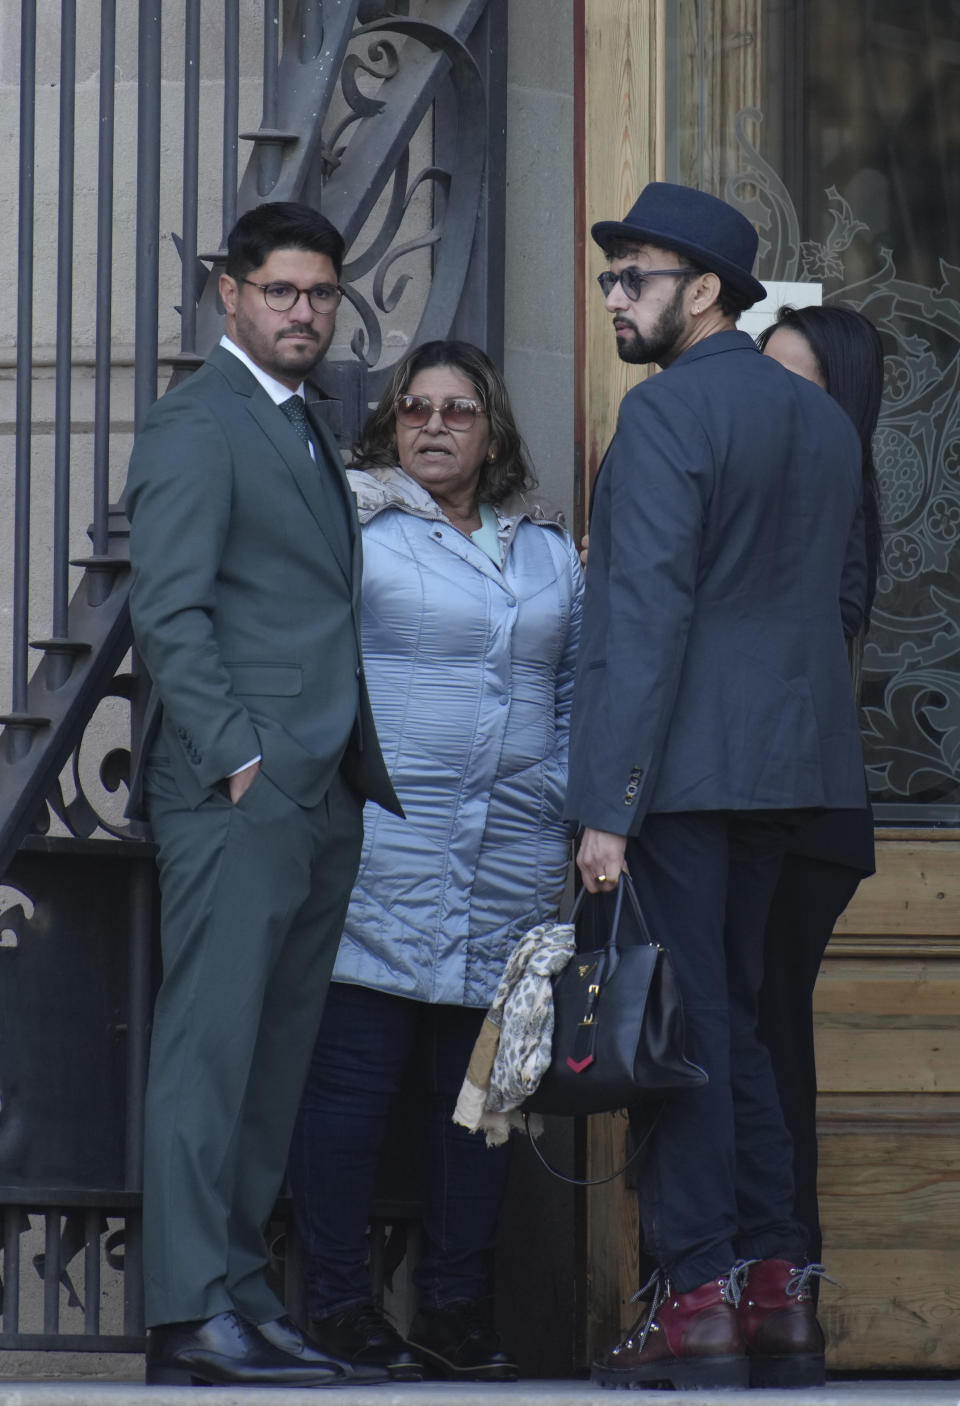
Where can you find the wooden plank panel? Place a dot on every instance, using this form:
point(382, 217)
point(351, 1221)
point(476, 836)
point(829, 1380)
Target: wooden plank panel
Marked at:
point(891, 1114)
point(888, 987)
point(884, 1190)
point(916, 890)
point(623, 149)
point(852, 1059)
point(621, 140)
point(613, 1236)
point(897, 1311)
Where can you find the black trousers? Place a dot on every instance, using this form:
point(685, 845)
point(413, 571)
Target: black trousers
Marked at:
point(809, 898)
point(366, 1039)
point(716, 1183)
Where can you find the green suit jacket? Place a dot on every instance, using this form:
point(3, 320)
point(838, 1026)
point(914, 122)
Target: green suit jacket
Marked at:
point(246, 593)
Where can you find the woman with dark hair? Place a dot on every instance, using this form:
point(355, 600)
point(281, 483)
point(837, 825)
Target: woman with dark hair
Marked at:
point(841, 351)
point(471, 614)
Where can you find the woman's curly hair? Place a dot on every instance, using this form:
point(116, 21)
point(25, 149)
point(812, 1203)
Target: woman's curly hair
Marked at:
point(507, 473)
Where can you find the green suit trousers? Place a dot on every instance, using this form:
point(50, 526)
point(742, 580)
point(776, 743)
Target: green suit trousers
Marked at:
point(254, 896)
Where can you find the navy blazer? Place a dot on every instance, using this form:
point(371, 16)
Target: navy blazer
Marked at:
point(726, 527)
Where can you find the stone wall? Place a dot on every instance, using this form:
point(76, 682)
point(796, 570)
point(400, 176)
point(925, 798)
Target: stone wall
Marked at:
point(539, 262)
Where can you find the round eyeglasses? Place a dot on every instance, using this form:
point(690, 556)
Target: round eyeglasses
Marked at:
point(324, 298)
point(632, 279)
point(456, 413)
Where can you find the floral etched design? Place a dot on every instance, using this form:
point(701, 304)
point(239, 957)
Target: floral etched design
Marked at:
point(911, 693)
point(900, 477)
point(818, 262)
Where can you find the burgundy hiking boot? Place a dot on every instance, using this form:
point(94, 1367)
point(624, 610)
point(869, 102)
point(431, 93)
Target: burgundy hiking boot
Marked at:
point(779, 1324)
point(689, 1341)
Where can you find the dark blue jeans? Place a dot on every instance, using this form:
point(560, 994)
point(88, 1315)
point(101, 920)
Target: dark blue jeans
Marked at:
point(366, 1040)
point(716, 1184)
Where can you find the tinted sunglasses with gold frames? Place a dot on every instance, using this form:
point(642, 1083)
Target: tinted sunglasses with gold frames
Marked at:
point(456, 412)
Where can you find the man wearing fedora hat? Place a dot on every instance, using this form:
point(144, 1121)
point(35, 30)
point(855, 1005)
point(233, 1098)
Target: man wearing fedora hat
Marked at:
point(713, 702)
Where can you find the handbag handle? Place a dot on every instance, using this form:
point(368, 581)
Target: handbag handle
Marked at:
point(591, 1181)
point(625, 885)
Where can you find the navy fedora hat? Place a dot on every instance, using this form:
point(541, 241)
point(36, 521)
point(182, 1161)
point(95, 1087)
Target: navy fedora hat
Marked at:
point(707, 230)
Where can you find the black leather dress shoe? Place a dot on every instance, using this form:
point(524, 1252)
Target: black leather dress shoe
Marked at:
point(226, 1350)
point(366, 1338)
point(284, 1334)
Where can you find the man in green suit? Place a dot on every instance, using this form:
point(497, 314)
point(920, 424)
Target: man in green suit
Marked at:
point(246, 609)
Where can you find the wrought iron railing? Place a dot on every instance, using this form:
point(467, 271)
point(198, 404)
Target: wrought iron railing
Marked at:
point(391, 119)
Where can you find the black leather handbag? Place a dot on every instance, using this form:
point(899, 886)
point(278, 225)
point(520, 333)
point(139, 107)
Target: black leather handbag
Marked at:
point(618, 1037)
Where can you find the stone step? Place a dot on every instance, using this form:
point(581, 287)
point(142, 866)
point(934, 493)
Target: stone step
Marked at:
point(525, 1393)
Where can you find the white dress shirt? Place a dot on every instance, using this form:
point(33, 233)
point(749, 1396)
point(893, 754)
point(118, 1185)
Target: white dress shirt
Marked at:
point(278, 393)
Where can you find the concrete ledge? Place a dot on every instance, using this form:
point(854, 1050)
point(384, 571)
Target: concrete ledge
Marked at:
point(539, 1393)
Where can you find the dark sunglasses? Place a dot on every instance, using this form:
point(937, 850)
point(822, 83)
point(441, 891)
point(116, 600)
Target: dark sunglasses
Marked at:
point(457, 413)
point(632, 279)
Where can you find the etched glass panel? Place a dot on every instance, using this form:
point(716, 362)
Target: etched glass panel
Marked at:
point(837, 131)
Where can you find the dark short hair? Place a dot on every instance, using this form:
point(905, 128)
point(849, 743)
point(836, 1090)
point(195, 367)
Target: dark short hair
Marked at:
point(508, 473)
point(730, 300)
point(280, 224)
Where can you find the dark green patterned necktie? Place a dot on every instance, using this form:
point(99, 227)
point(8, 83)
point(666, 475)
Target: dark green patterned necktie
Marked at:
point(296, 413)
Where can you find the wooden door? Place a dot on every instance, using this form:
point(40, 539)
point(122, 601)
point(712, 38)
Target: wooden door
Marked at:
point(719, 94)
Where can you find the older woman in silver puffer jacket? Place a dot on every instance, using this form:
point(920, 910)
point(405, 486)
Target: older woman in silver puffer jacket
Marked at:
point(471, 672)
point(470, 629)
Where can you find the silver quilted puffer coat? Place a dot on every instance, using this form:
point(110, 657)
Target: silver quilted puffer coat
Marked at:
point(470, 672)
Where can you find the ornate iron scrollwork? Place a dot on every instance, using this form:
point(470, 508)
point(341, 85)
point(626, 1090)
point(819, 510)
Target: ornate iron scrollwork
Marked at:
point(456, 184)
point(16, 914)
point(85, 815)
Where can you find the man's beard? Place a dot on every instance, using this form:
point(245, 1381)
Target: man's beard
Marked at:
point(658, 345)
point(277, 356)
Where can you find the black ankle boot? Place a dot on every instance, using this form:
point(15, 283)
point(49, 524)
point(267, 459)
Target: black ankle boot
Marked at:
point(365, 1337)
point(460, 1343)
